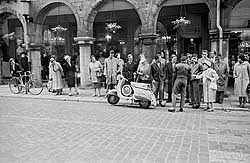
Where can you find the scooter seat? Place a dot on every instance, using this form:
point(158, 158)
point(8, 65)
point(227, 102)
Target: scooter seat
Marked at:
point(140, 85)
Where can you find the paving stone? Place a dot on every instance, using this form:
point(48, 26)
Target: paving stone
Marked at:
point(43, 131)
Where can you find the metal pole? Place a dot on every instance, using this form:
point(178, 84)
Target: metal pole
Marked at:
point(219, 28)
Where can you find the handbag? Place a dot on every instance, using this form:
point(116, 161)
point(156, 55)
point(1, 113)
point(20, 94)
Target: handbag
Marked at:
point(248, 89)
point(213, 86)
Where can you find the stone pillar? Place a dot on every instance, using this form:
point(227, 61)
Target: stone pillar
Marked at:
point(35, 57)
point(85, 52)
point(148, 45)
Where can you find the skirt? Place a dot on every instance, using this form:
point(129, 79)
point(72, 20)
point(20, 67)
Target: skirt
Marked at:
point(97, 85)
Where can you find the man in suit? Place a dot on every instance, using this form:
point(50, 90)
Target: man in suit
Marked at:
point(222, 70)
point(158, 74)
point(170, 67)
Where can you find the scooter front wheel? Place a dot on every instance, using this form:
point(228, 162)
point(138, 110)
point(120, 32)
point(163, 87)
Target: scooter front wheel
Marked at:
point(112, 99)
point(145, 104)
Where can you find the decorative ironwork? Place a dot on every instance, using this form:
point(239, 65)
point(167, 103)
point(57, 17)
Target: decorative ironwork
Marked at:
point(59, 29)
point(11, 36)
point(112, 27)
point(182, 21)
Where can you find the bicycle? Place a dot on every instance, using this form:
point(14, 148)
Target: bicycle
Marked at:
point(34, 86)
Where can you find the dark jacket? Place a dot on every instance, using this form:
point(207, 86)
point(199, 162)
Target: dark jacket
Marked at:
point(169, 71)
point(182, 70)
point(24, 63)
point(129, 69)
point(69, 71)
point(158, 71)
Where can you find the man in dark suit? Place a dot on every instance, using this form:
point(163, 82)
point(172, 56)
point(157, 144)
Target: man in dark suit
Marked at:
point(170, 67)
point(158, 74)
point(130, 68)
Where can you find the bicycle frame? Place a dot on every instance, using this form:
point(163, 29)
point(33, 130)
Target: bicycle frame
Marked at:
point(25, 85)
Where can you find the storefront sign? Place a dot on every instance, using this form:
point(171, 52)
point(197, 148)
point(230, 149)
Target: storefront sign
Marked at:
point(245, 44)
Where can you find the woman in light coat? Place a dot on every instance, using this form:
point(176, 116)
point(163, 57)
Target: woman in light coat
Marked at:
point(56, 73)
point(111, 68)
point(143, 70)
point(95, 73)
point(242, 76)
point(209, 78)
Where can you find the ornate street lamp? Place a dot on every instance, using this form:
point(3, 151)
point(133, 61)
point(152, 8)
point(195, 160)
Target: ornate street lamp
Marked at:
point(112, 27)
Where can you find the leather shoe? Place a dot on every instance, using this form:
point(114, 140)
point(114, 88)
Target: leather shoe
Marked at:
point(171, 110)
point(162, 105)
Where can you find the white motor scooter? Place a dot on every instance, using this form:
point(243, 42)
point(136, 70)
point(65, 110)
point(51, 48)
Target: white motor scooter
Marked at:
point(135, 92)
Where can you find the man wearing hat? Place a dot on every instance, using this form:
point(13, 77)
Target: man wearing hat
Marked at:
point(182, 75)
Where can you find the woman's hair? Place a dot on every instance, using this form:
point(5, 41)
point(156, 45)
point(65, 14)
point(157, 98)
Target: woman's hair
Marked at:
point(242, 57)
point(93, 56)
point(129, 55)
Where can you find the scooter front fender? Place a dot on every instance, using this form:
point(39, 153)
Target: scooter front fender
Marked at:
point(112, 92)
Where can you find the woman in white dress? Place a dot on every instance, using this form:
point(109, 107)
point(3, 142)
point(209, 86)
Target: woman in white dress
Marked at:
point(242, 79)
point(209, 78)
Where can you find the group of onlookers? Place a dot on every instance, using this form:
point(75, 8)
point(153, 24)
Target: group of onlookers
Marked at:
point(196, 80)
point(58, 72)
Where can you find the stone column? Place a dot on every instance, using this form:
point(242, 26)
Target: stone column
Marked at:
point(35, 58)
point(85, 52)
point(148, 45)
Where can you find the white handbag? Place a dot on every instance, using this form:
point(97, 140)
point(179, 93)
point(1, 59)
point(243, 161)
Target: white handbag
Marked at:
point(213, 85)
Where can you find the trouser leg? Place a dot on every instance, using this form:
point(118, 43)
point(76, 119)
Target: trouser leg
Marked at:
point(161, 91)
point(196, 92)
point(155, 88)
point(170, 87)
point(217, 99)
point(201, 92)
point(192, 92)
point(221, 97)
point(174, 100)
point(188, 92)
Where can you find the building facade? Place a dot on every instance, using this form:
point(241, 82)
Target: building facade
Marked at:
point(146, 26)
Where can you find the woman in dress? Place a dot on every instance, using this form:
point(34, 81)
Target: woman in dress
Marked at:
point(56, 73)
point(209, 78)
point(95, 73)
point(70, 70)
point(242, 75)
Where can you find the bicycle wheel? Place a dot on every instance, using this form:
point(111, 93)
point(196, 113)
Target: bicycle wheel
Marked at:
point(35, 87)
point(15, 85)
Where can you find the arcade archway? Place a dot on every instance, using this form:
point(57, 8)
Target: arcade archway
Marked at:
point(188, 39)
point(59, 42)
point(123, 40)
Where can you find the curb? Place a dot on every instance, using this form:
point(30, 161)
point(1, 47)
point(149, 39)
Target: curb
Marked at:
point(56, 99)
point(229, 109)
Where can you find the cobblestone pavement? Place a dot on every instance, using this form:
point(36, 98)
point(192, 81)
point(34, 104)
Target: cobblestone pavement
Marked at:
point(34, 130)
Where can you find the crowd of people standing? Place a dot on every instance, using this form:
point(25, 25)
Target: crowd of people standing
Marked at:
point(195, 79)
